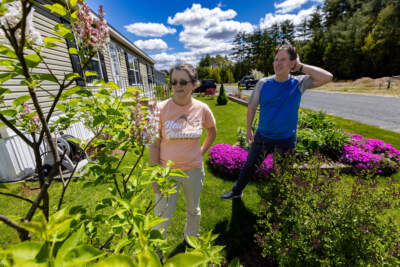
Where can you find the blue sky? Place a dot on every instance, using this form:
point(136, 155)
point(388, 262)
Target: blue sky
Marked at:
point(183, 31)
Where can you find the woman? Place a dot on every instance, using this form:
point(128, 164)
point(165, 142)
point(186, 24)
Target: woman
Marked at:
point(182, 119)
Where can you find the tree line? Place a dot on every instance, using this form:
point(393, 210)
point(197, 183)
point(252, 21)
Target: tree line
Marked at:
point(350, 38)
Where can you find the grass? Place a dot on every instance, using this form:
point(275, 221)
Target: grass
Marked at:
point(364, 86)
point(232, 220)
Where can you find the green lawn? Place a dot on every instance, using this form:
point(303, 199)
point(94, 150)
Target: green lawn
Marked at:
point(232, 220)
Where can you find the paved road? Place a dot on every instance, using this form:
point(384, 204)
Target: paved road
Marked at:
point(379, 111)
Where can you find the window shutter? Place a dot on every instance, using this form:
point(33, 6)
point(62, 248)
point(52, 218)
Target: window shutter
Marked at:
point(75, 60)
point(103, 67)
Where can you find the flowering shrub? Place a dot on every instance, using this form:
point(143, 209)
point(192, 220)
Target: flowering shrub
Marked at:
point(93, 33)
point(370, 156)
point(13, 16)
point(210, 91)
point(55, 236)
point(306, 219)
point(228, 160)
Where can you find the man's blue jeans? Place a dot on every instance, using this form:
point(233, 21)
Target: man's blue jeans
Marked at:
point(259, 150)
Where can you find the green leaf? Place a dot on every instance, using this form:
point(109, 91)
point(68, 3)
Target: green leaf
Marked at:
point(62, 30)
point(112, 85)
point(25, 250)
point(72, 51)
point(177, 173)
point(20, 100)
point(37, 227)
point(74, 75)
point(133, 90)
point(90, 73)
point(6, 76)
point(129, 95)
point(81, 255)
point(185, 259)
point(6, 62)
point(192, 241)
point(7, 51)
point(149, 258)
point(53, 39)
point(4, 91)
point(72, 91)
point(235, 263)
point(73, 15)
point(116, 260)
point(72, 242)
point(49, 45)
point(32, 60)
point(43, 255)
point(73, 2)
point(103, 92)
point(46, 76)
point(99, 119)
point(57, 8)
point(62, 107)
point(8, 112)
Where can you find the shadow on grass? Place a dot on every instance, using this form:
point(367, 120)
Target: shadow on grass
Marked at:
point(237, 236)
point(180, 248)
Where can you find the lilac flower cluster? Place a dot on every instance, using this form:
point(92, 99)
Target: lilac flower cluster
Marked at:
point(145, 128)
point(371, 155)
point(12, 15)
point(93, 32)
point(229, 160)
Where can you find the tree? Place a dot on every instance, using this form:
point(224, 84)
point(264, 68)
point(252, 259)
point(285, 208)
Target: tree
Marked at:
point(204, 72)
point(216, 74)
point(222, 98)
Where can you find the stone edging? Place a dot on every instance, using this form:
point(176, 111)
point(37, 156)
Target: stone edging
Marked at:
point(238, 100)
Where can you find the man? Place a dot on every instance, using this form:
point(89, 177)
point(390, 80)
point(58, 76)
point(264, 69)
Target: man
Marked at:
point(279, 99)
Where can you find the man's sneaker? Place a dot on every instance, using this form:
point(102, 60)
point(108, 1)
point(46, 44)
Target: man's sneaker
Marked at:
point(231, 195)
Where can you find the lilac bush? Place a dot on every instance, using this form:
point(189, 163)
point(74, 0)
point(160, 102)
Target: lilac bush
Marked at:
point(228, 160)
point(372, 156)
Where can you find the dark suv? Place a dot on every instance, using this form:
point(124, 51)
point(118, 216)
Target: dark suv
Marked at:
point(205, 84)
point(247, 81)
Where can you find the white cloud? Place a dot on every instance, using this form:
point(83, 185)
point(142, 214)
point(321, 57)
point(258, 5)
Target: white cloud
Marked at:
point(204, 27)
point(226, 30)
point(149, 29)
point(296, 19)
point(201, 17)
point(152, 45)
point(290, 5)
point(166, 61)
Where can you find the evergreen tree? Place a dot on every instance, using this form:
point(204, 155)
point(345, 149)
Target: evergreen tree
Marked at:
point(222, 98)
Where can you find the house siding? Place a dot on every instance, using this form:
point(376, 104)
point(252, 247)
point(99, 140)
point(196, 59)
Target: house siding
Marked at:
point(57, 59)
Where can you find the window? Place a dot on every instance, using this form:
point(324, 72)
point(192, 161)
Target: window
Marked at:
point(150, 74)
point(133, 69)
point(95, 66)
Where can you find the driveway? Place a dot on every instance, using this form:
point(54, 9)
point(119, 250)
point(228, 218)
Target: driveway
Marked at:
point(380, 111)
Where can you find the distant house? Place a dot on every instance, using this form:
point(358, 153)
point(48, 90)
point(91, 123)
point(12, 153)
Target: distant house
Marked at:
point(123, 63)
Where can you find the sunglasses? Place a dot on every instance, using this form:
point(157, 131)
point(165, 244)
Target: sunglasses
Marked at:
point(181, 82)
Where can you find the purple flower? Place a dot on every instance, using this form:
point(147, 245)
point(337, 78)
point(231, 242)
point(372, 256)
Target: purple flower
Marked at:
point(229, 160)
point(369, 154)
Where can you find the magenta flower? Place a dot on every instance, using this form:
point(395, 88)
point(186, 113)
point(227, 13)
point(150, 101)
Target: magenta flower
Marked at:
point(371, 155)
point(229, 160)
